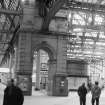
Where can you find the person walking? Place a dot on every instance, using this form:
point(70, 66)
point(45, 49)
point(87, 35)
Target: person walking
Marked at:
point(13, 94)
point(96, 92)
point(82, 91)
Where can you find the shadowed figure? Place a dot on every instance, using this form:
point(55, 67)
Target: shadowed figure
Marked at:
point(13, 94)
point(82, 91)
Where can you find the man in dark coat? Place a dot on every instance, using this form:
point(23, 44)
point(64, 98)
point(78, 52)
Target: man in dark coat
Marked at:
point(13, 95)
point(82, 91)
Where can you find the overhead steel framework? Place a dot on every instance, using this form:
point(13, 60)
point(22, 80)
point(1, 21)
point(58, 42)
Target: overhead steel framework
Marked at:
point(85, 24)
point(84, 21)
point(10, 14)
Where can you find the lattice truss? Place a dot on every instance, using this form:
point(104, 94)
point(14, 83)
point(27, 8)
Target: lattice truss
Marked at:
point(9, 20)
point(85, 22)
point(86, 28)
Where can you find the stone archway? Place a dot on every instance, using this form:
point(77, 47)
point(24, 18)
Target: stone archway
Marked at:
point(46, 47)
point(55, 46)
point(52, 61)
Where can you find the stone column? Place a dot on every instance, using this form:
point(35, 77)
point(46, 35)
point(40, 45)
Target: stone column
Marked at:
point(60, 82)
point(51, 73)
point(37, 85)
point(31, 19)
point(24, 63)
point(57, 83)
point(61, 55)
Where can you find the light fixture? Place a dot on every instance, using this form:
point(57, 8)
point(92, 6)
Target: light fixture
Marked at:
point(28, 2)
point(23, 0)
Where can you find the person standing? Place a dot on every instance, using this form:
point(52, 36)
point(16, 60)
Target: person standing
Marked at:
point(13, 94)
point(96, 92)
point(82, 91)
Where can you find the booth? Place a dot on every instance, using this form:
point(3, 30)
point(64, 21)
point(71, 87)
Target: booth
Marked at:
point(60, 85)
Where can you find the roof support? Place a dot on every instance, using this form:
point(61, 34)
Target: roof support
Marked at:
point(56, 6)
point(89, 6)
point(10, 12)
point(10, 44)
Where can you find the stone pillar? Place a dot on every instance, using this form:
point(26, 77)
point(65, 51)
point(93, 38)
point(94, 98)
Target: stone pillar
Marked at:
point(57, 83)
point(24, 63)
point(51, 73)
point(30, 21)
point(60, 82)
point(61, 55)
point(28, 14)
point(57, 70)
point(37, 85)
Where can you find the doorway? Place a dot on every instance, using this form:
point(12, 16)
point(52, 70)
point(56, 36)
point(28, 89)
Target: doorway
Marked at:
point(40, 70)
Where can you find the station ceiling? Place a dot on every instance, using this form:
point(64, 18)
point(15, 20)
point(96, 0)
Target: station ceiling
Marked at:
point(84, 22)
point(9, 22)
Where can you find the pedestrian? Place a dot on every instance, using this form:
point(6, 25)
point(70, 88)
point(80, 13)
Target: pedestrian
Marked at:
point(13, 94)
point(82, 91)
point(96, 92)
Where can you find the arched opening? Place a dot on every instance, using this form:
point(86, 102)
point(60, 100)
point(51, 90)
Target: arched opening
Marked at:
point(41, 56)
point(40, 70)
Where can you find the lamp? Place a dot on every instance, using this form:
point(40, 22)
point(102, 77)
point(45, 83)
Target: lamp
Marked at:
point(22, 0)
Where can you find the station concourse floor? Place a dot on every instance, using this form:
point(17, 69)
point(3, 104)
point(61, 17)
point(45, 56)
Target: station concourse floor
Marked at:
point(41, 98)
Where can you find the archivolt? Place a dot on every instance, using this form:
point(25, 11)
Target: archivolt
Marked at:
point(46, 47)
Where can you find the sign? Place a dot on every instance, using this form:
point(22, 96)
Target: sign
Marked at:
point(75, 82)
point(44, 73)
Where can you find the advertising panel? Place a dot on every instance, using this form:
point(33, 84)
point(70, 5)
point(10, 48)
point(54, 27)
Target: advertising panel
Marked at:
point(75, 82)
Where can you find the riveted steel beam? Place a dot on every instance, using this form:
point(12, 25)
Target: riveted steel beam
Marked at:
point(10, 12)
